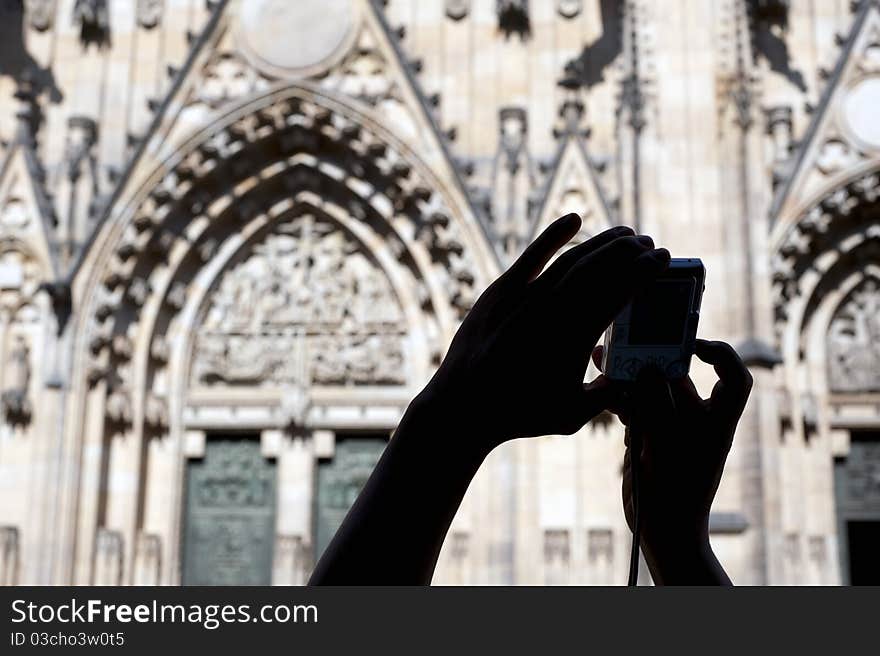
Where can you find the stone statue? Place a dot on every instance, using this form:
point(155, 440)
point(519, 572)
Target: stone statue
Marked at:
point(15, 403)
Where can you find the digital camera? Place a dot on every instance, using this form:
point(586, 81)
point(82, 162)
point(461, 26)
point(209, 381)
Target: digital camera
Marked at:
point(659, 326)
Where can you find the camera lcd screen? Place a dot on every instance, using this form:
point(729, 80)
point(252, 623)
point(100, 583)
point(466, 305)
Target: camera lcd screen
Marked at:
point(659, 314)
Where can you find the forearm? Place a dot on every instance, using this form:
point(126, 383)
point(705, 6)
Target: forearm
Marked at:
point(687, 563)
point(393, 533)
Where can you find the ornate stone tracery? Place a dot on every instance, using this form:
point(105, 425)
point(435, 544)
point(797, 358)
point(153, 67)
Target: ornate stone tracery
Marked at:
point(40, 13)
point(255, 140)
point(149, 13)
point(854, 342)
point(306, 307)
point(844, 223)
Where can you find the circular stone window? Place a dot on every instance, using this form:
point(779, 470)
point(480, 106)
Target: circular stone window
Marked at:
point(860, 112)
point(298, 38)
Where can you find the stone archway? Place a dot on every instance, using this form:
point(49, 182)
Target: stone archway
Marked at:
point(824, 266)
point(291, 157)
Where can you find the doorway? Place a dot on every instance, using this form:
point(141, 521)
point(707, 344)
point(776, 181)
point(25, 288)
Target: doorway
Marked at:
point(857, 501)
point(229, 520)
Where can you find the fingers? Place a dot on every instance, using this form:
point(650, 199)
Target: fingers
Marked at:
point(732, 390)
point(685, 393)
point(570, 257)
point(535, 257)
point(603, 282)
point(653, 406)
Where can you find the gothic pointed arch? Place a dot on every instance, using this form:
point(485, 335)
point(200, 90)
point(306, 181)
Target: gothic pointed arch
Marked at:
point(574, 181)
point(842, 140)
point(293, 182)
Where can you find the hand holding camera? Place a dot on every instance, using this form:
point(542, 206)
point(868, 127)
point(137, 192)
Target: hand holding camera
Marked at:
point(517, 364)
point(684, 441)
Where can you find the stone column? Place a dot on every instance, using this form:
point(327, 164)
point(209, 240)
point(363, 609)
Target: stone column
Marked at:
point(8, 555)
point(295, 489)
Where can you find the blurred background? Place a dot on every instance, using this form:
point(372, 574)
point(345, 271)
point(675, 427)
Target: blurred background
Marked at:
point(236, 237)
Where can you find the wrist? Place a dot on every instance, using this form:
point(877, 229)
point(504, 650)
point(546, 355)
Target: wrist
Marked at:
point(445, 425)
point(689, 560)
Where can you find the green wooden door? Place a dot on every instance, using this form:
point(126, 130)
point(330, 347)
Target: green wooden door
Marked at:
point(339, 481)
point(857, 501)
point(229, 525)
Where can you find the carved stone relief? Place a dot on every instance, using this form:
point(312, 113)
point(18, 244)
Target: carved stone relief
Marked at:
point(293, 561)
point(569, 8)
point(557, 547)
point(826, 228)
point(149, 13)
point(40, 13)
point(225, 77)
point(9, 555)
point(460, 541)
point(108, 557)
point(79, 153)
point(600, 544)
point(19, 276)
point(147, 559)
point(305, 307)
point(557, 556)
point(854, 342)
point(14, 215)
point(268, 27)
point(94, 20)
point(513, 17)
point(457, 9)
point(14, 401)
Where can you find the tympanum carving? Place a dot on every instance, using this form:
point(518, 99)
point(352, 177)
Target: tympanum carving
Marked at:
point(307, 306)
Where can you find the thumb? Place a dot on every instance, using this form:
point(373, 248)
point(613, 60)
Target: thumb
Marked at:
point(590, 400)
point(539, 252)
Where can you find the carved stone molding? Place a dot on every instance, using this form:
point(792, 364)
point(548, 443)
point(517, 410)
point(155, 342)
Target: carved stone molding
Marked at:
point(779, 127)
point(459, 545)
point(225, 77)
point(817, 549)
point(292, 561)
point(457, 9)
point(267, 330)
point(264, 28)
point(569, 8)
point(600, 544)
point(156, 413)
point(306, 307)
point(40, 14)
point(148, 559)
point(9, 555)
point(15, 401)
point(839, 223)
point(513, 17)
point(854, 341)
point(557, 556)
point(149, 13)
point(118, 409)
point(93, 17)
point(108, 557)
point(557, 546)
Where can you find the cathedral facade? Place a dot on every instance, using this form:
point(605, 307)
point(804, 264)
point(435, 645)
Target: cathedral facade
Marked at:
point(237, 236)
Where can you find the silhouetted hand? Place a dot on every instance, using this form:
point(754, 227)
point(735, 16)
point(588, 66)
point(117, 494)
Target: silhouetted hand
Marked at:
point(685, 441)
point(516, 366)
